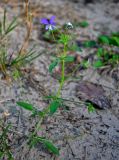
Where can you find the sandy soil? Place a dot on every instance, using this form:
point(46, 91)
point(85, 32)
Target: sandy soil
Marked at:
point(78, 134)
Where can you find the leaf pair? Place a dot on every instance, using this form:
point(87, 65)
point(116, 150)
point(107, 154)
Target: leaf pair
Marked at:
point(82, 24)
point(47, 144)
point(106, 57)
point(58, 60)
point(109, 40)
point(30, 107)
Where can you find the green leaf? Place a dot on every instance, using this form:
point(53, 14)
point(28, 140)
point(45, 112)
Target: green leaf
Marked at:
point(69, 59)
point(114, 60)
point(49, 145)
point(53, 65)
point(54, 106)
point(1, 155)
point(115, 34)
point(85, 63)
point(90, 44)
point(23, 59)
point(90, 107)
point(100, 52)
point(64, 39)
point(98, 64)
point(103, 39)
point(115, 57)
point(114, 41)
point(84, 24)
point(26, 106)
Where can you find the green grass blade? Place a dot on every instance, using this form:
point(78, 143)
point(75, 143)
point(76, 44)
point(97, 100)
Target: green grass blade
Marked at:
point(4, 20)
point(11, 26)
point(26, 106)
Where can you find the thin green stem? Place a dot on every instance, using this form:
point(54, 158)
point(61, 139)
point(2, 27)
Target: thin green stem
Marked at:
point(45, 111)
point(53, 35)
point(62, 74)
point(62, 79)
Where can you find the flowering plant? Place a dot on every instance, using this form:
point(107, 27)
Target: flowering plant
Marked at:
point(49, 23)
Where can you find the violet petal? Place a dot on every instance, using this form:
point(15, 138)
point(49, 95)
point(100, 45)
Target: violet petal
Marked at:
point(52, 20)
point(44, 21)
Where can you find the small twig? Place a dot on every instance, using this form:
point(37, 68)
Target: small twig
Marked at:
point(3, 101)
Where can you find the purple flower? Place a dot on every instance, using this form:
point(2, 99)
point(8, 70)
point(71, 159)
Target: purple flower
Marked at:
point(49, 23)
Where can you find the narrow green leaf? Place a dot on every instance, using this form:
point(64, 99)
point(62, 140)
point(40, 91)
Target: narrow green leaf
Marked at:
point(69, 59)
point(54, 106)
point(103, 39)
point(85, 63)
point(11, 26)
point(84, 24)
point(98, 64)
point(26, 106)
point(10, 29)
point(114, 41)
point(53, 65)
point(50, 146)
point(100, 52)
point(90, 44)
point(23, 58)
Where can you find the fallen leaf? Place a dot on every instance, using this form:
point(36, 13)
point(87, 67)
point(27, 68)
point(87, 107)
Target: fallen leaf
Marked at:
point(93, 93)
